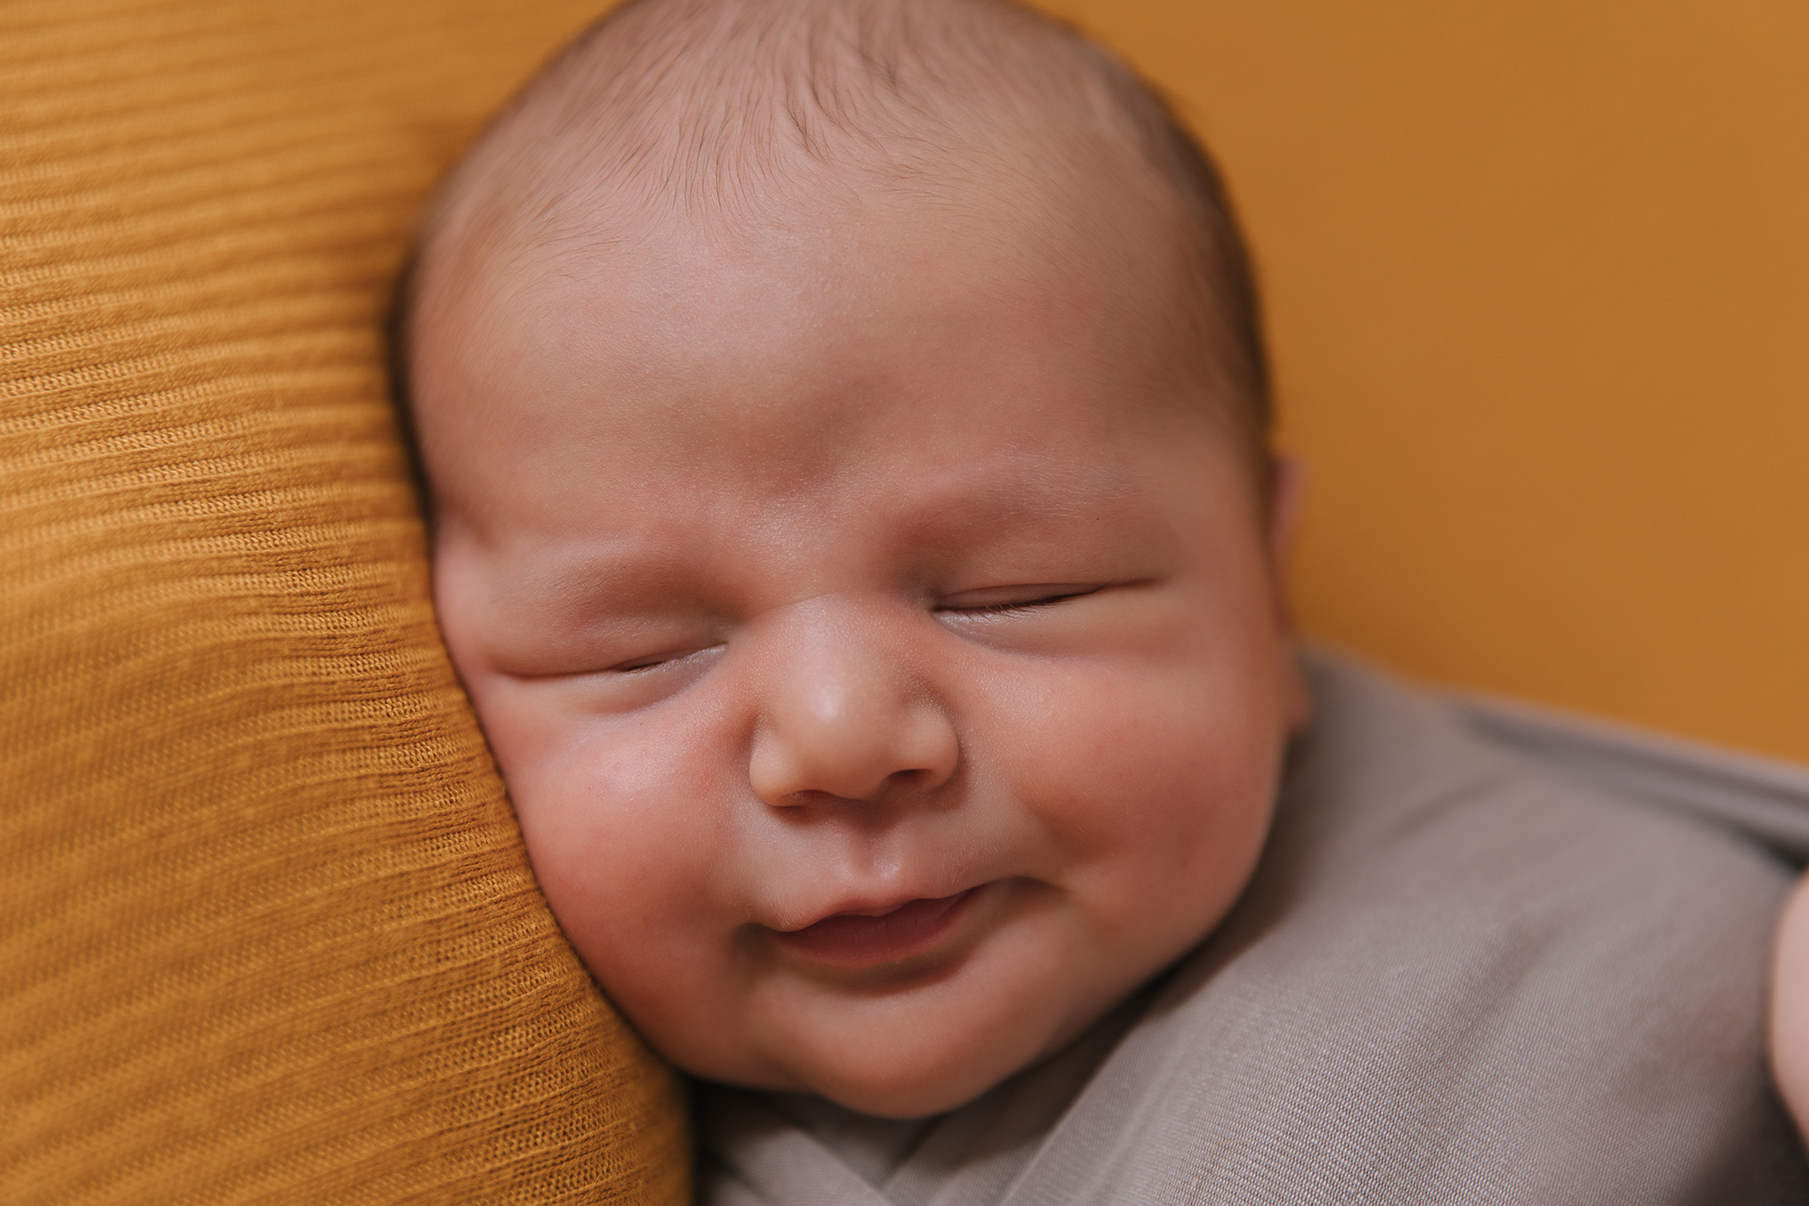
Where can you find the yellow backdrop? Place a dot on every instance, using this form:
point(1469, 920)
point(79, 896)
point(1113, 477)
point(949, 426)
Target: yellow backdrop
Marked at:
point(1537, 278)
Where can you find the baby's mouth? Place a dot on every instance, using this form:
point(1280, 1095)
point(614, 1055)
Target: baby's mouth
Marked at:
point(862, 939)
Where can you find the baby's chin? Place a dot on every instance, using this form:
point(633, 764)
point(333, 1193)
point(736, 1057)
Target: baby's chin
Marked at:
point(928, 1051)
point(916, 1076)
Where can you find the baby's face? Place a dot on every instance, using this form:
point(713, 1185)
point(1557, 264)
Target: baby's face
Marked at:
point(878, 635)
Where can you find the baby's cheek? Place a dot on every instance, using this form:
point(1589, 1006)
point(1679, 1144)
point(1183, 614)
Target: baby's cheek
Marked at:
point(624, 833)
point(1157, 786)
point(1156, 746)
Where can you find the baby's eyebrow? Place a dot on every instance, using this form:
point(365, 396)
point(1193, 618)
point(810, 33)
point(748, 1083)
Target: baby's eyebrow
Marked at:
point(1039, 499)
point(572, 588)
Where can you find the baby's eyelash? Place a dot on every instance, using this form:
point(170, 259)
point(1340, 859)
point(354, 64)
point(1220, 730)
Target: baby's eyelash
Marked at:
point(1018, 605)
point(643, 664)
point(654, 661)
point(1025, 605)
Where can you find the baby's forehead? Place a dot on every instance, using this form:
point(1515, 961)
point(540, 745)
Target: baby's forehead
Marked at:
point(712, 400)
point(685, 331)
point(1056, 209)
point(865, 350)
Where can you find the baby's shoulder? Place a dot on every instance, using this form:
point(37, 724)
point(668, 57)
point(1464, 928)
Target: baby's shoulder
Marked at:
point(1528, 818)
point(1557, 880)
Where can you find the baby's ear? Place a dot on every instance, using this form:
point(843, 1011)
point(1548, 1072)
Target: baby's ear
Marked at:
point(1287, 479)
point(1287, 483)
point(1790, 1007)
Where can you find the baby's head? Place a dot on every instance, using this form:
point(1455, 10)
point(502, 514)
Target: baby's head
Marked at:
point(845, 428)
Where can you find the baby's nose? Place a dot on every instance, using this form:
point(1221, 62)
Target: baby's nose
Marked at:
point(842, 713)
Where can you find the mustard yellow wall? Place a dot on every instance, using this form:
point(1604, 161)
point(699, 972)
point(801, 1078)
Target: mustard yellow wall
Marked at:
point(1537, 276)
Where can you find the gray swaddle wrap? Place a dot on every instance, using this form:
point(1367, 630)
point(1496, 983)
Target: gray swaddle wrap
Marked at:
point(1489, 956)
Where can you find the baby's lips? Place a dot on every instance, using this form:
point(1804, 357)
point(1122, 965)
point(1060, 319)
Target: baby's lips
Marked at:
point(872, 938)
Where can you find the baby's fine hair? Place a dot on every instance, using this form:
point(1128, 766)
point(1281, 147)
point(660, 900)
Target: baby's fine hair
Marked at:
point(723, 111)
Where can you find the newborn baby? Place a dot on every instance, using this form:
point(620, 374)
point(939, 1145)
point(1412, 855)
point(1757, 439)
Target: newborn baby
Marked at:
point(853, 529)
point(853, 520)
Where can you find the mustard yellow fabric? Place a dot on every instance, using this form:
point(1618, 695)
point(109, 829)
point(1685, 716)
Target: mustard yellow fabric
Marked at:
point(266, 930)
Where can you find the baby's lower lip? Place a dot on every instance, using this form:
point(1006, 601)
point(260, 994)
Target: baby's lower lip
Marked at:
point(854, 941)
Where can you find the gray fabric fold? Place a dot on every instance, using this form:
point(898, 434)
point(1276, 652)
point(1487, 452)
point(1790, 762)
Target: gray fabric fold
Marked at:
point(1491, 955)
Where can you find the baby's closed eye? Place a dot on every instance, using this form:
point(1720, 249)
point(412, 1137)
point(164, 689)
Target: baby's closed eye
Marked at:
point(665, 658)
point(998, 600)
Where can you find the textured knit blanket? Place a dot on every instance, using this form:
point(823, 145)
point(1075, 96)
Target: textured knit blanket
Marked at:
point(1490, 956)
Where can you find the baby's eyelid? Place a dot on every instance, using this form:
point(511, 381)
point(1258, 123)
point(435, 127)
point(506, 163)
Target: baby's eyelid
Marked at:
point(1002, 598)
point(652, 661)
